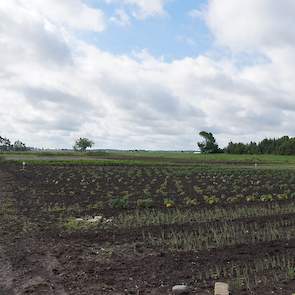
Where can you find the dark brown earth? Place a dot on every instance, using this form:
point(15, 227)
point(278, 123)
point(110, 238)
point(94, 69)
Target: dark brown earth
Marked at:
point(37, 257)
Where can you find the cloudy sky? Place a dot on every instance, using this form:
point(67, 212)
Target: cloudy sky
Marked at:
point(146, 73)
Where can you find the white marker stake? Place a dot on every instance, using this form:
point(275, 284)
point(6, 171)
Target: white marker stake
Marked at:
point(221, 289)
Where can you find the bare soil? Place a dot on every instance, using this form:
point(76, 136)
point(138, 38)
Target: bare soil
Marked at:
point(36, 257)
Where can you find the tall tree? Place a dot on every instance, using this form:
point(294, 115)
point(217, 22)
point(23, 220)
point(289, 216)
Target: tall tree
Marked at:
point(277, 146)
point(19, 146)
point(5, 144)
point(82, 144)
point(208, 145)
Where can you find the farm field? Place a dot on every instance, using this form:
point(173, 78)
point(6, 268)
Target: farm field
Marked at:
point(134, 224)
point(157, 157)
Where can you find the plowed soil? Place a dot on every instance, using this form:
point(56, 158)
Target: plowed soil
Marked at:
point(38, 257)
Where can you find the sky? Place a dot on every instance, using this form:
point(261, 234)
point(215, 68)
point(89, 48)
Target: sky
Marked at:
point(146, 74)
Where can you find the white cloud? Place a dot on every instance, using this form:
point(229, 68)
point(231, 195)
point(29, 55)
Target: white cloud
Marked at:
point(252, 25)
point(196, 13)
point(143, 8)
point(148, 7)
point(265, 28)
point(186, 40)
point(55, 87)
point(121, 18)
point(74, 14)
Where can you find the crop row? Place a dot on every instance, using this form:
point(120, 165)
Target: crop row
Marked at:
point(248, 275)
point(140, 218)
point(93, 182)
point(219, 235)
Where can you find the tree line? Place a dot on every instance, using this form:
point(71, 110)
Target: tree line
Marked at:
point(7, 146)
point(277, 146)
point(81, 144)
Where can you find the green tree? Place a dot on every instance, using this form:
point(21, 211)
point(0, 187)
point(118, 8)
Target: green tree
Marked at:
point(19, 146)
point(82, 144)
point(5, 144)
point(278, 146)
point(208, 145)
point(236, 148)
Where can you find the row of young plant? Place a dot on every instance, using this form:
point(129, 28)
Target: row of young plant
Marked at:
point(140, 218)
point(251, 274)
point(207, 236)
point(151, 204)
point(96, 182)
point(196, 218)
point(193, 231)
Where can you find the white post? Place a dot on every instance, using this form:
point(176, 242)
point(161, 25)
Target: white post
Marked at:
point(221, 289)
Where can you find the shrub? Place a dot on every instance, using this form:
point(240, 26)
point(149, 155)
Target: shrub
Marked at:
point(266, 198)
point(168, 203)
point(119, 202)
point(282, 197)
point(291, 273)
point(211, 200)
point(251, 198)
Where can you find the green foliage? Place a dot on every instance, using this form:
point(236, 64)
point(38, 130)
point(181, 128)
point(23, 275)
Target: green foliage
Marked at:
point(187, 163)
point(280, 146)
point(119, 202)
point(208, 145)
point(211, 200)
point(251, 198)
point(82, 144)
point(145, 203)
point(74, 224)
point(168, 203)
point(266, 198)
point(88, 162)
point(5, 144)
point(291, 272)
point(282, 197)
point(19, 146)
